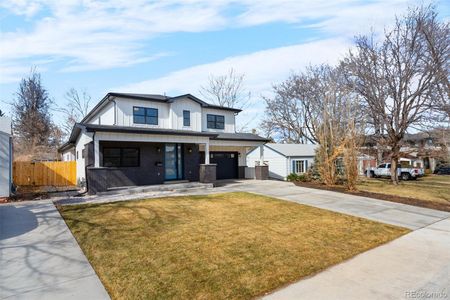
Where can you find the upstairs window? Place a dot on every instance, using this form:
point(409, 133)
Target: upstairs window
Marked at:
point(145, 115)
point(186, 118)
point(121, 157)
point(215, 121)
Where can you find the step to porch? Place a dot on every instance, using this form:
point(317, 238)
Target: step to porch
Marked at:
point(166, 187)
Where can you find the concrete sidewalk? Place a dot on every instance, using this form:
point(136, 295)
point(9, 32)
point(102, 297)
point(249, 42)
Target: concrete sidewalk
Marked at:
point(39, 257)
point(415, 266)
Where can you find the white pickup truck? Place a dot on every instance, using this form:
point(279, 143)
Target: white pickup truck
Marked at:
point(384, 170)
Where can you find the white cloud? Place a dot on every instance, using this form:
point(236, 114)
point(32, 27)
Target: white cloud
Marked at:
point(89, 34)
point(261, 69)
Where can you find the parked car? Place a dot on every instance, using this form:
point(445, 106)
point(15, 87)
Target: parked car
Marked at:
point(442, 170)
point(384, 170)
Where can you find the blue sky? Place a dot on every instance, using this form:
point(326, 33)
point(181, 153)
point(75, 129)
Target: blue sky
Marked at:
point(173, 46)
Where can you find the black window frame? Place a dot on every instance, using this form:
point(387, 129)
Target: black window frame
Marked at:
point(187, 118)
point(214, 122)
point(149, 114)
point(121, 157)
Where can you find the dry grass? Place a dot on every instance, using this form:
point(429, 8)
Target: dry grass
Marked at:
point(434, 188)
point(227, 246)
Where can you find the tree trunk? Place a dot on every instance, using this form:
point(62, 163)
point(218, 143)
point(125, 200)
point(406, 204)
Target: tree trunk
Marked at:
point(394, 163)
point(379, 153)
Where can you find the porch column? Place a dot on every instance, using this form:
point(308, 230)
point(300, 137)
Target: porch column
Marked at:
point(261, 155)
point(96, 153)
point(207, 170)
point(261, 171)
point(207, 153)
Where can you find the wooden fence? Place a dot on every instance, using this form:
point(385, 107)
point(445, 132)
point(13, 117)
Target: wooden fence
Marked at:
point(55, 173)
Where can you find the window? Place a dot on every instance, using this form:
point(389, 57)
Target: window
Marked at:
point(145, 115)
point(77, 154)
point(186, 118)
point(121, 157)
point(215, 121)
point(299, 166)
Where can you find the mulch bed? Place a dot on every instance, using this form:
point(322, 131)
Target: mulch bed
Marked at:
point(391, 198)
point(27, 193)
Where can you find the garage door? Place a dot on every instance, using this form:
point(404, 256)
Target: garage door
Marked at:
point(227, 164)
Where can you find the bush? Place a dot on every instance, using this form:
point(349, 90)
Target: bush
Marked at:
point(313, 173)
point(292, 177)
point(298, 177)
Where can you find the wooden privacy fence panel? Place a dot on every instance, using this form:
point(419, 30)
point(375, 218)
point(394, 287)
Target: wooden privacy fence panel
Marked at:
point(54, 173)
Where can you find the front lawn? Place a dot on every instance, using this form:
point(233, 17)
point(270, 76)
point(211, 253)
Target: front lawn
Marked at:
point(432, 188)
point(227, 246)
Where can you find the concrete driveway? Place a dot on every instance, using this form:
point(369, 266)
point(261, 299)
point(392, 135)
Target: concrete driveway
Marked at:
point(39, 257)
point(408, 216)
point(414, 266)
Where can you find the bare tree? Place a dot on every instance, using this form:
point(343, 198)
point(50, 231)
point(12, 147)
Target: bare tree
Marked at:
point(227, 90)
point(396, 78)
point(318, 106)
point(286, 113)
point(336, 124)
point(76, 108)
point(437, 36)
point(1, 113)
point(32, 124)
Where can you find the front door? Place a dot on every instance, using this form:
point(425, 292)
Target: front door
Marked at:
point(173, 161)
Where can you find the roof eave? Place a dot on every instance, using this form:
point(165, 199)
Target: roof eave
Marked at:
point(143, 131)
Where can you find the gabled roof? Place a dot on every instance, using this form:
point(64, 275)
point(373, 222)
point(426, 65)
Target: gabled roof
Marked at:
point(290, 150)
point(153, 97)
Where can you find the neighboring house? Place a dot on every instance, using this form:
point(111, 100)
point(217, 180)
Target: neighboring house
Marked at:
point(5, 157)
point(283, 159)
point(422, 150)
point(142, 139)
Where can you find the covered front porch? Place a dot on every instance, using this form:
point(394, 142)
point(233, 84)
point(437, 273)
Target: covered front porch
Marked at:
point(115, 160)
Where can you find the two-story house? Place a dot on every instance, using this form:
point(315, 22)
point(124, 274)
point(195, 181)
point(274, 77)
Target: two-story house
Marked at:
point(142, 139)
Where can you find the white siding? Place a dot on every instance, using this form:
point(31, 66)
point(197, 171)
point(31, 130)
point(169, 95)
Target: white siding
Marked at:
point(83, 139)
point(170, 115)
point(68, 155)
point(124, 112)
point(229, 119)
point(176, 114)
point(277, 162)
point(105, 116)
